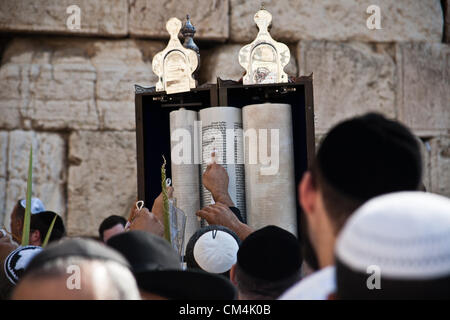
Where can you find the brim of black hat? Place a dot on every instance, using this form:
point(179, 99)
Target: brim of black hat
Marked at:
point(186, 285)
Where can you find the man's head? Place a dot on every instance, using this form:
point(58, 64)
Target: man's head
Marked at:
point(268, 262)
point(157, 268)
point(111, 226)
point(6, 247)
point(396, 246)
point(40, 224)
point(18, 260)
point(18, 214)
point(212, 249)
point(77, 269)
point(359, 159)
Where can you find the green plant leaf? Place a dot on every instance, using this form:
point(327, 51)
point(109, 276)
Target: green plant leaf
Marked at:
point(27, 217)
point(49, 232)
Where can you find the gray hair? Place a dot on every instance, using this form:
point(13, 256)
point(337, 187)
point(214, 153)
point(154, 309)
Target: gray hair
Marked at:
point(121, 283)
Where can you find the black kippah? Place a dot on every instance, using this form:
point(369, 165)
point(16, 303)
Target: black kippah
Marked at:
point(42, 221)
point(370, 155)
point(270, 253)
point(352, 285)
point(77, 247)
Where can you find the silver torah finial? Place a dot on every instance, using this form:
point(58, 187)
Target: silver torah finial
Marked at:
point(264, 59)
point(175, 65)
point(188, 32)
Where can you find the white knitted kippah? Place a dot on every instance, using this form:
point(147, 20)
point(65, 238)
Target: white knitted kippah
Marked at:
point(405, 234)
point(36, 205)
point(216, 251)
point(17, 261)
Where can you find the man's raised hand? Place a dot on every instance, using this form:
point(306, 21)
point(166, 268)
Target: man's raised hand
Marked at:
point(215, 179)
point(220, 214)
point(146, 221)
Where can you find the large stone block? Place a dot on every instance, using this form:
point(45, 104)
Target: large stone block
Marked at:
point(49, 169)
point(120, 65)
point(423, 94)
point(3, 167)
point(102, 178)
point(99, 17)
point(349, 79)
point(344, 20)
point(2, 201)
point(73, 84)
point(12, 95)
point(223, 61)
point(3, 153)
point(439, 165)
point(148, 18)
point(50, 83)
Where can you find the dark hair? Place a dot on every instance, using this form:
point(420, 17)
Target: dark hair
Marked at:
point(362, 158)
point(110, 222)
point(261, 289)
point(41, 221)
point(268, 262)
point(20, 211)
point(352, 284)
point(359, 159)
point(338, 205)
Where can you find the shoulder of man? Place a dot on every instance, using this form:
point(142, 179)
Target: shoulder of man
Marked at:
point(317, 286)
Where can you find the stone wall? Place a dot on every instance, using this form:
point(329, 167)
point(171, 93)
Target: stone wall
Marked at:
point(69, 94)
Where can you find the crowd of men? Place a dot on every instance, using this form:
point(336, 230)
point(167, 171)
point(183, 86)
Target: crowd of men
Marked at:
point(369, 231)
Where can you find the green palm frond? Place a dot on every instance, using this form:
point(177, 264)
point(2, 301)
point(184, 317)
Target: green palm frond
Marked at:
point(49, 232)
point(27, 217)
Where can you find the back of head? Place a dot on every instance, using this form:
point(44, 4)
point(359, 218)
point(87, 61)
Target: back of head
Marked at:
point(36, 206)
point(77, 269)
point(396, 246)
point(362, 158)
point(19, 210)
point(268, 262)
point(42, 221)
point(212, 249)
point(18, 214)
point(110, 222)
point(157, 268)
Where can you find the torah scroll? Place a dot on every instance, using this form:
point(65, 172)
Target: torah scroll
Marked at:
point(221, 129)
point(185, 168)
point(269, 166)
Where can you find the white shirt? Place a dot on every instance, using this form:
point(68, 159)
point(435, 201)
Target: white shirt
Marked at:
point(317, 286)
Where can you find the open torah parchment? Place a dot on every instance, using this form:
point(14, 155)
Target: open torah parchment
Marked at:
point(255, 146)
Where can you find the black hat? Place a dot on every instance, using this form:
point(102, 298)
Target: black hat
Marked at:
point(42, 221)
point(76, 247)
point(213, 249)
point(370, 155)
point(157, 269)
point(270, 253)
